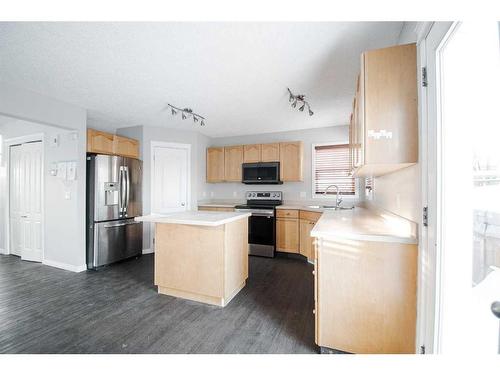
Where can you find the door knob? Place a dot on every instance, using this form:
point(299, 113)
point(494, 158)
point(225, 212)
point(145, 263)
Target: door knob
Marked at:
point(495, 309)
point(24, 216)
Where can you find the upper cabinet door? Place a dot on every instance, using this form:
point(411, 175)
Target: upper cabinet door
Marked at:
point(390, 105)
point(99, 142)
point(233, 158)
point(270, 152)
point(251, 153)
point(291, 160)
point(215, 164)
point(126, 147)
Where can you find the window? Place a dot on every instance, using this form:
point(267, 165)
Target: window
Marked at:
point(332, 166)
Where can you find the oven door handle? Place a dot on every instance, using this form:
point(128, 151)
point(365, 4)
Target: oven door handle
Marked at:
point(268, 215)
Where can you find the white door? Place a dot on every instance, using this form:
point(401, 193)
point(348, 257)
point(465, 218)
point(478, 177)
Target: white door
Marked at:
point(170, 178)
point(25, 200)
point(464, 185)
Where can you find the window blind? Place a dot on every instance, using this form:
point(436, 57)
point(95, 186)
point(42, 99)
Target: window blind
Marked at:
point(332, 166)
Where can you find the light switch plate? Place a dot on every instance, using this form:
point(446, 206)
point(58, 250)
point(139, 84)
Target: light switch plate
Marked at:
point(303, 194)
point(67, 195)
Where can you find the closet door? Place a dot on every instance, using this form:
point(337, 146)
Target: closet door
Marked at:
point(25, 186)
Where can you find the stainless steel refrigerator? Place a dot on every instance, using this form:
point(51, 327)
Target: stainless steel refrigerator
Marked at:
point(114, 198)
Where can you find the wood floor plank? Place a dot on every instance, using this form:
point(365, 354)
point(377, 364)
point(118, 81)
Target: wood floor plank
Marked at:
point(117, 310)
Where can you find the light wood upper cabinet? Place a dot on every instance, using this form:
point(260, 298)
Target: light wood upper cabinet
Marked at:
point(385, 120)
point(215, 164)
point(224, 163)
point(111, 144)
point(251, 153)
point(291, 160)
point(126, 147)
point(99, 142)
point(287, 235)
point(270, 152)
point(233, 158)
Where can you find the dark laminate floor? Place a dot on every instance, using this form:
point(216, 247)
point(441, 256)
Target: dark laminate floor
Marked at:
point(117, 310)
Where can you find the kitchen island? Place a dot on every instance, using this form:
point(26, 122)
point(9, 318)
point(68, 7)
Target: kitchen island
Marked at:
point(201, 256)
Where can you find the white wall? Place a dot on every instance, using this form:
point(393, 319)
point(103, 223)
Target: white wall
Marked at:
point(399, 192)
point(65, 226)
point(291, 190)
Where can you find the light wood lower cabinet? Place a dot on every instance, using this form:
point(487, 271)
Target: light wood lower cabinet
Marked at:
point(365, 296)
point(287, 235)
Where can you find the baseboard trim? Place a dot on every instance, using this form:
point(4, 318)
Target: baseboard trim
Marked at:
point(3, 251)
point(147, 251)
point(64, 266)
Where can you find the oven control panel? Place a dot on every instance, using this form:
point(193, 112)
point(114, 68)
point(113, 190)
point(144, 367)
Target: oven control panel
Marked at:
point(264, 195)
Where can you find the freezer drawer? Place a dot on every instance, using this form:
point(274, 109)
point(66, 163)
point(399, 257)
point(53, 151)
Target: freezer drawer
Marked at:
point(114, 241)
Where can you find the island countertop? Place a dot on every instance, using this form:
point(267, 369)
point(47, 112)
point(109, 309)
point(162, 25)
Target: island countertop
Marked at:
point(365, 224)
point(202, 218)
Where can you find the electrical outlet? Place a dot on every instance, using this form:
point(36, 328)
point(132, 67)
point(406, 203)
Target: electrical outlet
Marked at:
point(303, 194)
point(67, 195)
point(235, 194)
point(212, 194)
point(204, 194)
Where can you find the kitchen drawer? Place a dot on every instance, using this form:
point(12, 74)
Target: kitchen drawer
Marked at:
point(287, 213)
point(310, 215)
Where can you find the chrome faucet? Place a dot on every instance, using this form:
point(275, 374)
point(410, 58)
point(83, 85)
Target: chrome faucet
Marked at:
point(338, 201)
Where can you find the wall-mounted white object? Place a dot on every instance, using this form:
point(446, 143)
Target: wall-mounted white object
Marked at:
point(379, 134)
point(71, 171)
point(53, 169)
point(61, 170)
point(54, 141)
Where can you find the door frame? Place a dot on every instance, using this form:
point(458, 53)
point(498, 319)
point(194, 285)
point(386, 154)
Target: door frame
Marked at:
point(37, 137)
point(184, 146)
point(428, 316)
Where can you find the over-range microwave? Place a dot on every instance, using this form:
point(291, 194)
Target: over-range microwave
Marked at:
point(261, 173)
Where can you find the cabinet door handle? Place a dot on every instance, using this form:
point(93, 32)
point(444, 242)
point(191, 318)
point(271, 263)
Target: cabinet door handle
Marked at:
point(314, 311)
point(314, 272)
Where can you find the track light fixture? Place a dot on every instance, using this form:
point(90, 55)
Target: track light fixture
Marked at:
point(294, 99)
point(187, 112)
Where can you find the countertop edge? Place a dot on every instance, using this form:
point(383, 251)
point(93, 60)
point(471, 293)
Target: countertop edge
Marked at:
point(167, 220)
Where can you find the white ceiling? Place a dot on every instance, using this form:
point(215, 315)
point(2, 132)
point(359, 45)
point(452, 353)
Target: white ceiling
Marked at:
point(234, 74)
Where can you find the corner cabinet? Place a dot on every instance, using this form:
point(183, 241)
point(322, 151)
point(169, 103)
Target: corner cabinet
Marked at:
point(99, 142)
point(215, 164)
point(384, 121)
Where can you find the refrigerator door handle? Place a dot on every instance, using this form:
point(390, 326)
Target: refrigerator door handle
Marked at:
point(127, 197)
point(122, 191)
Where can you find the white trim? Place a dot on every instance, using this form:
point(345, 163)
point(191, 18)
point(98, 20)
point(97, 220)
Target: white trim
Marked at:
point(427, 305)
point(147, 251)
point(65, 266)
point(354, 197)
point(36, 137)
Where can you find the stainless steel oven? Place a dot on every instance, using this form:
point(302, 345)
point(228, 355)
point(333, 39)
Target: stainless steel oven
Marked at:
point(262, 223)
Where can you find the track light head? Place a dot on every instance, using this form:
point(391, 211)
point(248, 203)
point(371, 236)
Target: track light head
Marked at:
point(174, 112)
point(310, 112)
point(195, 119)
point(184, 116)
point(294, 104)
point(301, 109)
point(202, 123)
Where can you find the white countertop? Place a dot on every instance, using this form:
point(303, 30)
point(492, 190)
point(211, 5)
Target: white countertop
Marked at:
point(225, 205)
point(365, 224)
point(203, 218)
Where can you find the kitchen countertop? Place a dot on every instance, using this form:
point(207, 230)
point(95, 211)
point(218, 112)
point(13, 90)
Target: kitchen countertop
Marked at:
point(365, 224)
point(228, 205)
point(202, 218)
